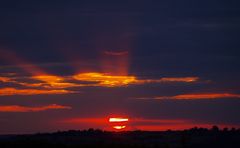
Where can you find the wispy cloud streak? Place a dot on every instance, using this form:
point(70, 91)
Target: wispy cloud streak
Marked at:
point(193, 96)
point(18, 108)
point(13, 91)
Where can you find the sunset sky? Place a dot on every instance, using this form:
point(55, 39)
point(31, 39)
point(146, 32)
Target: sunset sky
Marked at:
point(162, 65)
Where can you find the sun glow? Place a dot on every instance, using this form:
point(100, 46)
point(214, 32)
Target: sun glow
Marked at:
point(118, 119)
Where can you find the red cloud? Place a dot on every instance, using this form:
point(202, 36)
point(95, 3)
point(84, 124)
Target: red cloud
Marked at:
point(179, 79)
point(18, 108)
point(195, 96)
point(12, 91)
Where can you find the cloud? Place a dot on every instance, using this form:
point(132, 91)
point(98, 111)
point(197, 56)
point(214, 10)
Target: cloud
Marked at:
point(52, 84)
point(18, 108)
point(179, 79)
point(116, 53)
point(5, 79)
point(169, 80)
point(13, 91)
point(108, 80)
point(195, 96)
point(54, 81)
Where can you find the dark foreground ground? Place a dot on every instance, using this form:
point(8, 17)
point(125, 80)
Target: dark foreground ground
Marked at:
point(193, 138)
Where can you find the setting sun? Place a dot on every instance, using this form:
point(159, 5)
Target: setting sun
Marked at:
point(119, 127)
point(118, 123)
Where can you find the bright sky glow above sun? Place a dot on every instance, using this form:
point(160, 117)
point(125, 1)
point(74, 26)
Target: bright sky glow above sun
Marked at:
point(118, 119)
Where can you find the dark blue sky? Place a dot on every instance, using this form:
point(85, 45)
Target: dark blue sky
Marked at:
point(159, 44)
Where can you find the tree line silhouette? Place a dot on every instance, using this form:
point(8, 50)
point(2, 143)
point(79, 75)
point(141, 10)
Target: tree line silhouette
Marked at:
point(96, 138)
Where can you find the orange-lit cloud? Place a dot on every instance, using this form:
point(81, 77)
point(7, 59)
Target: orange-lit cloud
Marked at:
point(18, 108)
point(196, 96)
point(54, 81)
point(13, 91)
point(5, 79)
point(106, 80)
point(45, 81)
point(48, 78)
point(35, 71)
point(114, 73)
point(52, 84)
point(101, 79)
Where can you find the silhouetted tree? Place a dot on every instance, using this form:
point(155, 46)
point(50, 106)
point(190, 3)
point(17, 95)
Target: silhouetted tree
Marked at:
point(215, 128)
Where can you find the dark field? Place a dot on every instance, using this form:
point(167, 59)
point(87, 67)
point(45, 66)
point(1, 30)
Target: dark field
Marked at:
point(195, 138)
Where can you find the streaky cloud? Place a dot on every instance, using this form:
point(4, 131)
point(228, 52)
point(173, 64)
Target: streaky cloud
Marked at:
point(193, 96)
point(19, 108)
point(9, 91)
point(116, 53)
